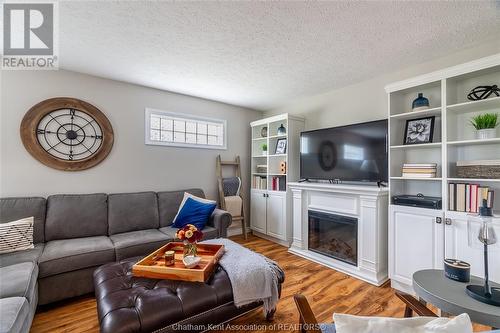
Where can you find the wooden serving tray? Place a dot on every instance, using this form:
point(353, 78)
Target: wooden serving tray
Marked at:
point(153, 266)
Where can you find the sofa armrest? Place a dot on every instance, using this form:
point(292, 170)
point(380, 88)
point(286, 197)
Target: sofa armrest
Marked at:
point(220, 220)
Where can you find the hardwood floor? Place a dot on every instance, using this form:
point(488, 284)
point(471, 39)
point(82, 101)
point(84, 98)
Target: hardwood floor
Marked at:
point(328, 291)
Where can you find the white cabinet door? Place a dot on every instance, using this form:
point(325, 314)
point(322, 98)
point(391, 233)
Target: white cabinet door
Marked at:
point(457, 247)
point(258, 211)
point(416, 238)
point(276, 210)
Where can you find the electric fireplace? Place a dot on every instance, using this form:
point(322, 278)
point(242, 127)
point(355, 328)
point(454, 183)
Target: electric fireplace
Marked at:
point(333, 235)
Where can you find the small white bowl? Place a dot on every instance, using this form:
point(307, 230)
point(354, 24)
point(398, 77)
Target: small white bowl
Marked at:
point(191, 261)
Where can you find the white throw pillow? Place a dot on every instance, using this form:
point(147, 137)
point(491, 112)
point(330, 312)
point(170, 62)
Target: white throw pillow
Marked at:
point(189, 195)
point(16, 235)
point(355, 324)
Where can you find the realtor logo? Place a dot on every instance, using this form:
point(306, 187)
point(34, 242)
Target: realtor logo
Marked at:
point(29, 35)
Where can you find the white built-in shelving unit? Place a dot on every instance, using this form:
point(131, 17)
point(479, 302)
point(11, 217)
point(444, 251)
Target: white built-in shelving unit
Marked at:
point(421, 238)
point(270, 208)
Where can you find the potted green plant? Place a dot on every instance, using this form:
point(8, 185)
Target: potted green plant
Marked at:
point(485, 125)
point(264, 149)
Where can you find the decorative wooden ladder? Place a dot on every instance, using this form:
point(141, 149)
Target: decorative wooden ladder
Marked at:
point(222, 201)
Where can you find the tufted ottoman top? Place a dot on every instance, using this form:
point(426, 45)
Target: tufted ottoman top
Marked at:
point(131, 304)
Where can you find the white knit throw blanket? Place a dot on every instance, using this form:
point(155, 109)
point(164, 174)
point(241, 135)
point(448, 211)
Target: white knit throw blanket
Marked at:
point(253, 277)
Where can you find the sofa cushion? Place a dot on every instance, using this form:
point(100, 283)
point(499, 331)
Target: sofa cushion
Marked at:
point(12, 209)
point(18, 280)
point(65, 255)
point(76, 215)
point(31, 255)
point(208, 232)
point(169, 202)
point(15, 313)
point(132, 211)
point(17, 235)
point(194, 211)
point(358, 324)
point(138, 243)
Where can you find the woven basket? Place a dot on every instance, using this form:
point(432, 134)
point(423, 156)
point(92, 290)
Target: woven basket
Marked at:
point(479, 171)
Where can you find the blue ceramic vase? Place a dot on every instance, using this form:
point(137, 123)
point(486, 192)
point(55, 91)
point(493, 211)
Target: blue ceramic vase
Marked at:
point(281, 130)
point(420, 103)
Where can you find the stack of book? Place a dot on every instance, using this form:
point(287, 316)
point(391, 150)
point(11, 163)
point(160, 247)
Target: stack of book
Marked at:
point(278, 183)
point(420, 170)
point(469, 197)
point(259, 183)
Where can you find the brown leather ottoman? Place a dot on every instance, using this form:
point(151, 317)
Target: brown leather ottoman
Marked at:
point(129, 304)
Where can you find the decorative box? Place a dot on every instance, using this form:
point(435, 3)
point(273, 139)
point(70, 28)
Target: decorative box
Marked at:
point(262, 168)
point(457, 270)
point(488, 169)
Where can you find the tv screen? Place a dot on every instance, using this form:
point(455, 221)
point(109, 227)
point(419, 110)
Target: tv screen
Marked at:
point(348, 153)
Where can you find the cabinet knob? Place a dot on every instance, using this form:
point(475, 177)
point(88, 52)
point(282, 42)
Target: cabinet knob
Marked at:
point(439, 220)
point(447, 221)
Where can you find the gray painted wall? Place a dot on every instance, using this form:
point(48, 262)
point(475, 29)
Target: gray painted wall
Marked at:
point(367, 100)
point(131, 165)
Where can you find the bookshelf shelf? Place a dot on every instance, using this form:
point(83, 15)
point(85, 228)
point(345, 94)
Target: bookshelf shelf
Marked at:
point(277, 136)
point(416, 114)
point(417, 146)
point(417, 178)
point(472, 106)
point(473, 142)
point(474, 180)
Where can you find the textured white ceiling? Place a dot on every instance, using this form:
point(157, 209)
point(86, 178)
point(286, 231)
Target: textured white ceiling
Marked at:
point(264, 54)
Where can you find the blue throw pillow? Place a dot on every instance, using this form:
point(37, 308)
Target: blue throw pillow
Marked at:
point(194, 212)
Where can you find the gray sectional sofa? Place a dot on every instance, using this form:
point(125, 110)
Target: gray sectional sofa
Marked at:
point(75, 234)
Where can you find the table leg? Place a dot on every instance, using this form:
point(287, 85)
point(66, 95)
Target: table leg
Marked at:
point(442, 313)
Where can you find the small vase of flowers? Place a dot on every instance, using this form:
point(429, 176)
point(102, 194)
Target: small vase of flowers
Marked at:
point(189, 235)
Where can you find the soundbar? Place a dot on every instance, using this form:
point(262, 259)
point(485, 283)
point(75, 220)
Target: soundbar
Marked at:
point(418, 200)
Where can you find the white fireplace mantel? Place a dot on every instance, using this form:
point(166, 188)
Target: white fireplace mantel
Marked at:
point(366, 203)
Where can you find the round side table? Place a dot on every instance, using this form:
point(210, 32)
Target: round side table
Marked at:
point(449, 296)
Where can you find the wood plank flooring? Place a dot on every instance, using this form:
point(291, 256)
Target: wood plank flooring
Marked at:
point(328, 291)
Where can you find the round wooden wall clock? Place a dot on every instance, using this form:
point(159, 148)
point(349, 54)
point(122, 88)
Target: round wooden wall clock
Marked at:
point(67, 134)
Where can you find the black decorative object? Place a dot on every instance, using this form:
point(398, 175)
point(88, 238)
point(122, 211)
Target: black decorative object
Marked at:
point(419, 131)
point(483, 92)
point(420, 103)
point(281, 130)
point(263, 132)
point(486, 293)
point(457, 270)
point(281, 146)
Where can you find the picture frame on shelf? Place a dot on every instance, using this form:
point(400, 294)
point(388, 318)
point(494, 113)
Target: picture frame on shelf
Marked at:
point(419, 131)
point(281, 146)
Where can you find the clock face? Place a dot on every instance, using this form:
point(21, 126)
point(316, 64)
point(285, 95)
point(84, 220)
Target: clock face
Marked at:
point(67, 134)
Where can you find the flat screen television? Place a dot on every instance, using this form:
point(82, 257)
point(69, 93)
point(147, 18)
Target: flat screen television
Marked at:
point(347, 153)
